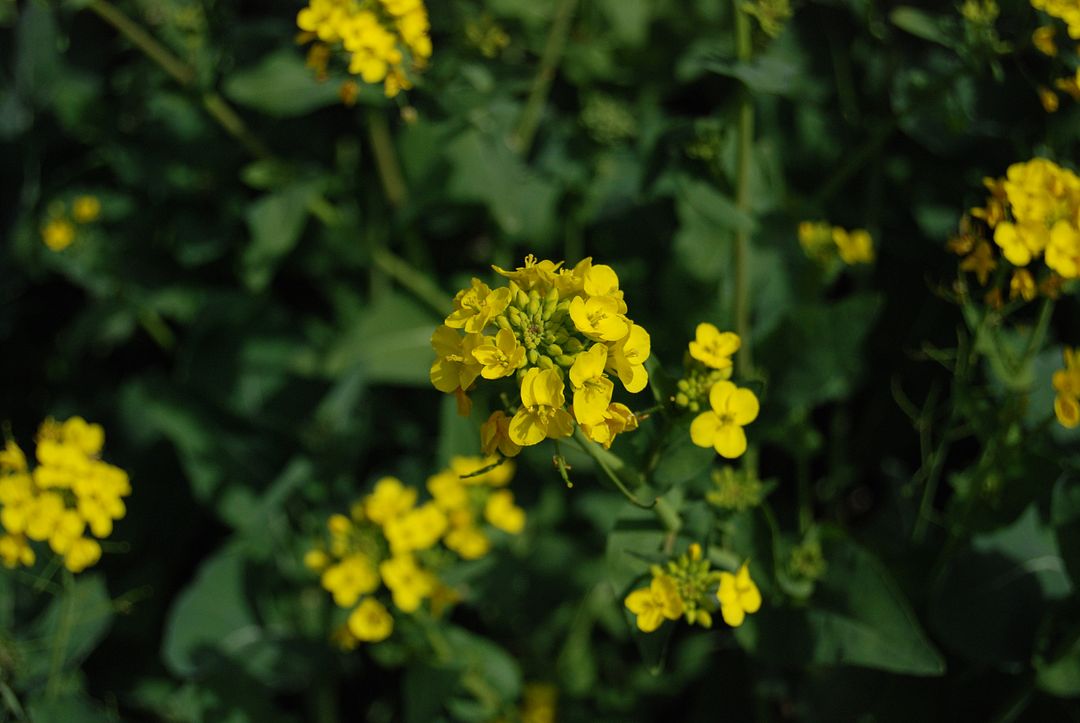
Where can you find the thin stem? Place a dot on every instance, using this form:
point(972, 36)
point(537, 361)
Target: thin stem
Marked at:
point(527, 125)
point(60, 641)
point(589, 447)
point(422, 287)
point(386, 160)
point(744, 50)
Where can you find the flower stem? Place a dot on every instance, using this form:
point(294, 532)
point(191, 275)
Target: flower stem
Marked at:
point(744, 50)
point(525, 132)
point(62, 636)
point(610, 466)
point(386, 160)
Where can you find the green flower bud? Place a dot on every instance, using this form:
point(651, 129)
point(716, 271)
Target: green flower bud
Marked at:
point(573, 345)
point(554, 350)
point(564, 361)
point(544, 362)
point(532, 355)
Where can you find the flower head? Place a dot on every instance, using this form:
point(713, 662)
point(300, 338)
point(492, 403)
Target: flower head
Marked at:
point(738, 596)
point(722, 426)
point(656, 603)
point(714, 348)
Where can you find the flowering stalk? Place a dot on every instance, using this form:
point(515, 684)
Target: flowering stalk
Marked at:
point(744, 50)
point(549, 62)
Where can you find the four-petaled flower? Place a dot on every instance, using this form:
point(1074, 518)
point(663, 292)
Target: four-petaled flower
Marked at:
point(541, 414)
point(500, 355)
point(592, 390)
point(653, 604)
point(722, 427)
point(738, 596)
point(714, 348)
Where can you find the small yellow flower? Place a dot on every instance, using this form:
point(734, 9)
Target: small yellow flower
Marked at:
point(1022, 285)
point(617, 419)
point(500, 355)
point(502, 513)
point(722, 427)
point(81, 554)
point(628, 357)
point(600, 318)
point(349, 579)
point(1049, 99)
point(477, 306)
point(592, 390)
point(714, 348)
point(1043, 40)
point(409, 583)
point(85, 209)
point(854, 247)
point(495, 436)
point(1063, 250)
point(601, 280)
point(541, 414)
point(738, 596)
point(468, 541)
point(316, 560)
point(15, 551)
point(58, 234)
point(370, 622)
point(416, 530)
point(455, 368)
point(390, 499)
point(981, 262)
point(1067, 386)
point(654, 604)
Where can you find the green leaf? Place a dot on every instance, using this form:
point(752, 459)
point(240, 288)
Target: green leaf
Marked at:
point(857, 616)
point(69, 708)
point(276, 222)
point(1065, 516)
point(85, 611)
point(1062, 677)
point(280, 85)
point(682, 460)
point(390, 342)
point(921, 25)
point(486, 170)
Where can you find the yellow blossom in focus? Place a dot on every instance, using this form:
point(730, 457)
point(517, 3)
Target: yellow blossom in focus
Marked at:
point(500, 355)
point(370, 622)
point(628, 357)
point(714, 348)
point(656, 603)
point(617, 419)
point(475, 307)
point(592, 390)
point(455, 368)
point(738, 596)
point(722, 427)
point(600, 318)
point(58, 234)
point(542, 414)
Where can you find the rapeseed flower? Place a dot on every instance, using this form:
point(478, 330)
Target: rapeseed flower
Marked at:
point(656, 603)
point(824, 242)
point(1067, 388)
point(562, 335)
point(69, 500)
point(738, 596)
point(732, 408)
point(58, 234)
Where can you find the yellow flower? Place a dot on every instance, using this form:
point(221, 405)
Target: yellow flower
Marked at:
point(468, 541)
point(349, 579)
point(455, 367)
point(1063, 251)
point(58, 234)
point(854, 247)
point(85, 209)
point(738, 596)
point(1020, 243)
point(1043, 40)
point(370, 621)
point(592, 390)
point(409, 584)
point(981, 261)
point(448, 490)
point(601, 280)
point(390, 499)
point(15, 551)
point(654, 604)
point(628, 357)
point(617, 419)
point(1022, 284)
point(534, 274)
point(316, 560)
point(418, 529)
point(500, 355)
point(541, 414)
point(722, 428)
point(81, 554)
point(714, 348)
point(1048, 98)
point(600, 318)
point(502, 513)
point(1067, 385)
point(12, 458)
point(477, 306)
point(495, 436)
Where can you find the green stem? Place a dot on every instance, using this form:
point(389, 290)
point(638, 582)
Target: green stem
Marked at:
point(422, 287)
point(590, 448)
point(1038, 334)
point(386, 159)
point(63, 635)
point(744, 50)
point(181, 72)
point(527, 125)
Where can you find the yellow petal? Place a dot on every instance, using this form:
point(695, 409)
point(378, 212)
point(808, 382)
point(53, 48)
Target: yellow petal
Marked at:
point(704, 428)
point(743, 406)
point(733, 614)
point(730, 441)
point(719, 394)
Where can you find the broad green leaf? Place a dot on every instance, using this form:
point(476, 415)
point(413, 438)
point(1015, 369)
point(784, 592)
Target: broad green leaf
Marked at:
point(275, 222)
point(390, 342)
point(857, 616)
point(921, 24)
point(280, 85)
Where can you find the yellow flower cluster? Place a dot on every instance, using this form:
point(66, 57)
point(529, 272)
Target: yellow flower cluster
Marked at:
point(555, 332)
point(68, 493)
point(730, 407)
point(1067, 385)
point(388, 540)
point(377, 35)
point(687, 587)
point(823, 242)
point(59, 232)
point(1044, 40)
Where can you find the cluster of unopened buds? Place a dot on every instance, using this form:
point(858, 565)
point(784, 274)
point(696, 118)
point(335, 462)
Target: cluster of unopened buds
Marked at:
point(560, 337)
point(390, 549)
point(687, 587)
point(69, 499)
point(1032, 215)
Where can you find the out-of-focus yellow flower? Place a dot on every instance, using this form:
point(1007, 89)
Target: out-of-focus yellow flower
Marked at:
point(722, 426)
point(370, 621)
point(502, 513)
point(409, 584)
point(1022, 285)
point(58, 234)
point(854, 247)
point(1043, 40)
point(738, 596)
point(389, 500)
point(1067, 386)
point(85, 209)
point(349, 579)
point(981, 262)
